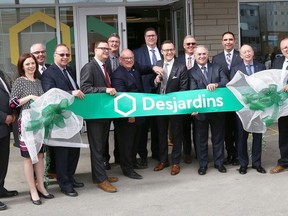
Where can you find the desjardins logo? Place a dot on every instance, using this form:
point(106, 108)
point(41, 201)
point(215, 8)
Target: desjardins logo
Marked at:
point(126, 104)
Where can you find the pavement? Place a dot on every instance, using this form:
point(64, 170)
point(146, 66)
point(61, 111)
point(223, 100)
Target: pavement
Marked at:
point(160, 193)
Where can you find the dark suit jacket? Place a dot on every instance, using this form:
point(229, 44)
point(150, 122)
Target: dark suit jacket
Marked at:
point(142, 60)
point(177, 80)
point(38, 74)
point(198, 81)
point(54, 78)
point(278, 63)
point(4, 109)
point(92, 79)
point(221, 59)
point(123, 81)
point(241, 66)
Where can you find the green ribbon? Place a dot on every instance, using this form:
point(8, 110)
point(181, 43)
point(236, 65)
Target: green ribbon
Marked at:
point(53, 114)
point(264, 99)
point(102, 105)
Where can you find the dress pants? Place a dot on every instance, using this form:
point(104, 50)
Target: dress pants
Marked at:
point(4, 159)
point(230, 133)
point(66, 159)
point(241, 139)
point(128, 136)
point(187, 141)
point(176, 127)
point(283, 140)
point(106, 155)
point(217, 126)
point(150, 123)
point(97, 130)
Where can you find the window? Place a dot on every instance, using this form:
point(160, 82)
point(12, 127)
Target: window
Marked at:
point(263, 26)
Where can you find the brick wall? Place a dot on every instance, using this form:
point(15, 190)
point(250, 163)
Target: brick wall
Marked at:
point(211, 19)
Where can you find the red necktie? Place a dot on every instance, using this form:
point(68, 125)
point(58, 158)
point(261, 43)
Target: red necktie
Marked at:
point(107, 76)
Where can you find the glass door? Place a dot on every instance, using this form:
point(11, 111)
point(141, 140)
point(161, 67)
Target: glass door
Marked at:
point(97, 24)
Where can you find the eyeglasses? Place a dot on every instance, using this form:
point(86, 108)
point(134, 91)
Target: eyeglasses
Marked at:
point(168, 50)
point(113, 41)
point(104, 49)
point(150, 35)
point(192, 43)
point(64, 54)
point(127, 58)
point(39, 52)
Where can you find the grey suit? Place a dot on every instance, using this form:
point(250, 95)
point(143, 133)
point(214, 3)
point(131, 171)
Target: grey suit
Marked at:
point(93, 81)
point(4, 133)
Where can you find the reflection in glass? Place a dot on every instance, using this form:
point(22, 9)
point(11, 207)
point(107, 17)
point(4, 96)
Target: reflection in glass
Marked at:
point(263, 25)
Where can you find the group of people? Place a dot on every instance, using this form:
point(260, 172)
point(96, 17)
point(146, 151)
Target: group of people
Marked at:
point(147, 69)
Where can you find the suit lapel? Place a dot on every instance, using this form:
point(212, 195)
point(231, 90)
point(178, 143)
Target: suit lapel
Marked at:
point(146, 56)
point(200, 74)
point(100, 71)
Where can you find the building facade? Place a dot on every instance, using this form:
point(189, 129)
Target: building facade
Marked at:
point(78, 23)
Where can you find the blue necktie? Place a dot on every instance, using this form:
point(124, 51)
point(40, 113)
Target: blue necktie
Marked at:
point(154, 58)
point(248, 70)
point(205, 72)
point(228, 60)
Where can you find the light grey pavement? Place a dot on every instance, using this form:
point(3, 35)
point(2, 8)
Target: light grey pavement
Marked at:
point(159, 193)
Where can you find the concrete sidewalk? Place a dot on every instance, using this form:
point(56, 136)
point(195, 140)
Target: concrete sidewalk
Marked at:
point(159, 193)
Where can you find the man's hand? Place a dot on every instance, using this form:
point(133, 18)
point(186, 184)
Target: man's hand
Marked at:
point(131, 119)
point(194, 114)
point(111, 91)
point(78, 93)
point(9, 119)
point(212, 86)
point(158, 79)
point(285, 88)
point(158, 70)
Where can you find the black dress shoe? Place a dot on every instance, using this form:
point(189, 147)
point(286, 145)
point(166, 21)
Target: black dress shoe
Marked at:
point(259, 169)
point(9, 193)
point(78, 184)
point(221, 168)
point(143, 162)
point(235, 161)
point(243, 170)
point(202, 170)
point(71, 193)
point(3, 206)
point(48, 196)
point(35, 202)
point(228, 160)
point(133, 175)
point(107, 166)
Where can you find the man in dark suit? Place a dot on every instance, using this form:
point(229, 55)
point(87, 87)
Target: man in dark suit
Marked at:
point(248, 66)
point(95, 79)
point(282, 63)
point(127, 79)
point(146, 57)
point(7, 117)
point(59, 75)
point(112, 63)
point(208, 76)
point(227, 59)
point(39, 51)
point(174, 79)
point(187, 59)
